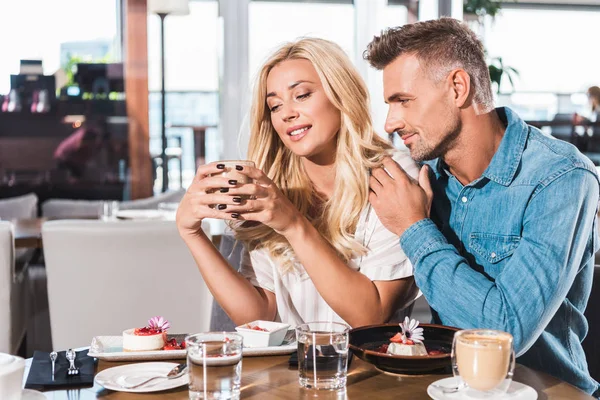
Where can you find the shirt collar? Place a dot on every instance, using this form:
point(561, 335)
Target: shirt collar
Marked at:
point(504, 164)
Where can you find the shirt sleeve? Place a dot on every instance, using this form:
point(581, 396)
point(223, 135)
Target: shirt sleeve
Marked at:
point(385, 260)
point(527, 293)
point(257, 268)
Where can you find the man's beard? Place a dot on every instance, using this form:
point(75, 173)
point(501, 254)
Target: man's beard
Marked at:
point(423, 152)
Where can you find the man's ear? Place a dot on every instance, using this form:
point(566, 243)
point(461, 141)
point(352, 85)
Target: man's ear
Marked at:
point(460, 83)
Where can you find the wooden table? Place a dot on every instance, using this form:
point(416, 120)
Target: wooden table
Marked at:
point(28, 233)
point(268, 378)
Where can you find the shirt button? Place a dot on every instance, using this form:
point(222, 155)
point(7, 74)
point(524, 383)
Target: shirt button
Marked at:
point(464, 199)
point(493, 255)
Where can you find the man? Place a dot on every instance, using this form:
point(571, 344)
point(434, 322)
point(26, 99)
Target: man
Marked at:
point(511, 239)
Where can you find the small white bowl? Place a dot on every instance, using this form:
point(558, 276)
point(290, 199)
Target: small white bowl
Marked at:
point(273, 336)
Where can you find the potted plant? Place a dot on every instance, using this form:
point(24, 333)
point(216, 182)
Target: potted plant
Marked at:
point(497, 70)
point(481, 8)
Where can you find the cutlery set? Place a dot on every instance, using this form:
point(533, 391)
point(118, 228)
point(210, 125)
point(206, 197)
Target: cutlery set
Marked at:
point(73, 370)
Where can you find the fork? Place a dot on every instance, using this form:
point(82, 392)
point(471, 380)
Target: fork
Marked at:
point(73, 370)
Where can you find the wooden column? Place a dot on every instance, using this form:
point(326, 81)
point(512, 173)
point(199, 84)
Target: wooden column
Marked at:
point(136, 94)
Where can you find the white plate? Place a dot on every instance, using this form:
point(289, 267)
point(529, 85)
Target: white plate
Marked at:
point(28, 394)
point(113, 378)
point(516, 391)
point(110, 348)
point(142, 214)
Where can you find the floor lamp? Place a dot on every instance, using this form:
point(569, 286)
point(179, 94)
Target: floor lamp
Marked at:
point(163, 8)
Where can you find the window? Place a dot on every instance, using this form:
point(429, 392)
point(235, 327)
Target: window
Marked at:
point(191, 83)
point(553, 50)
point(55, 29)
point(270, 25)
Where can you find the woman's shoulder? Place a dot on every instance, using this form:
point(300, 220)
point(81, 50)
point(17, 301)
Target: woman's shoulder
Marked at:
point(403, 158)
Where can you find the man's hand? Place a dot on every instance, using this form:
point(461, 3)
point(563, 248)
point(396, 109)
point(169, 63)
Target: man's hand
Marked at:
point(399, 200)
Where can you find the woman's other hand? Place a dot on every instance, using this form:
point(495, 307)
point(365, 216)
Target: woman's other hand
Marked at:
point(262, 201)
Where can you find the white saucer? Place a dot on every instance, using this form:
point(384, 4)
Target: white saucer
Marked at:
point(113, 378)
point(516, 391)
point(28, 394)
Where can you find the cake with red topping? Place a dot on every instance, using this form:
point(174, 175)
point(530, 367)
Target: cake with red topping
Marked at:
point(409, 342)
point(150, 337)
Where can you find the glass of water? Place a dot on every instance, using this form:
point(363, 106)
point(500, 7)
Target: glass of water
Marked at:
point(323, 355)
point(109, 210)
point(215, 365)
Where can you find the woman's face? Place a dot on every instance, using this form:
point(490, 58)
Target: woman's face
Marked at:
point(305, 120)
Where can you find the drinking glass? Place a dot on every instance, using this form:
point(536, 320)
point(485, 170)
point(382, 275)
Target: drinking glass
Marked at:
point(109, 210)
point(215, 365)
point(484, 362)
point(323, 355)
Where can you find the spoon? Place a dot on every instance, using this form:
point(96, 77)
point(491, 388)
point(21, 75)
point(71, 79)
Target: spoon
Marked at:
point(176, 372)
point(448, 389)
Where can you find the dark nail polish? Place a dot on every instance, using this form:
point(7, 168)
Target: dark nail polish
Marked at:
point(221, 166)
point(235, 215)
point(239, 167)
point(224, 190)
point(222, 206)
point(232, 182)
point(237, 199)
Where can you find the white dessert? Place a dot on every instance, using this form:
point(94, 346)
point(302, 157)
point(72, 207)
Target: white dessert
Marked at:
point(144, 342)
point(401, 349)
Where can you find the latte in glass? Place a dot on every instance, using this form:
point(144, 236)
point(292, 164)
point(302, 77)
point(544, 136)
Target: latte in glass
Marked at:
point(483, 359)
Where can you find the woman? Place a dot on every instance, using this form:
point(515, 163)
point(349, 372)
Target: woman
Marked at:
point(317, 250)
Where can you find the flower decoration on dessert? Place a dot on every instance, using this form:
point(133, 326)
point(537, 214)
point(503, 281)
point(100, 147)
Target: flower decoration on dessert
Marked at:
point(159, 324)
point(411, 332)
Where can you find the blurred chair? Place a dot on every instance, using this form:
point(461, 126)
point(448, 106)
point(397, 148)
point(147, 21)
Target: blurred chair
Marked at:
point(65, 208)
point(173, 196)
point(591, 343)
point(19, 207)
point(13, 294)
point(105, 277)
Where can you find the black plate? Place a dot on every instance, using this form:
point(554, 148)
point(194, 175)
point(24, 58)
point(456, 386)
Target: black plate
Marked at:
point(365, 341)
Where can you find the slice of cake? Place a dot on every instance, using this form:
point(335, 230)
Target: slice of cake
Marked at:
point(409, 342)
point(151, 337)
point(401, 349)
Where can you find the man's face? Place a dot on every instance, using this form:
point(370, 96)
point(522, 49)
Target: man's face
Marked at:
point(421, 111)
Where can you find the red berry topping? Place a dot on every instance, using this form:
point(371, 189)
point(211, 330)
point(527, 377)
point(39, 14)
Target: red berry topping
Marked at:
point(146, 331)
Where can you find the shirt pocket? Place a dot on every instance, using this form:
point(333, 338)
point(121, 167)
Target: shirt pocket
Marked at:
point(493, 248)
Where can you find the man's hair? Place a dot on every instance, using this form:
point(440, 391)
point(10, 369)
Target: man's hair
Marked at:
point(440, 45)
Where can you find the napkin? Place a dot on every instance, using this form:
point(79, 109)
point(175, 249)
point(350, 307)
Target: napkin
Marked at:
point(40, 373)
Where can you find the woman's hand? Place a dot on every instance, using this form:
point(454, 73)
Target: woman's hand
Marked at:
point(262, 201)
point(205, 198)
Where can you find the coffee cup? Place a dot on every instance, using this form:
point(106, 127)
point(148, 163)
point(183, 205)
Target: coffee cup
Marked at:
point(484, 360)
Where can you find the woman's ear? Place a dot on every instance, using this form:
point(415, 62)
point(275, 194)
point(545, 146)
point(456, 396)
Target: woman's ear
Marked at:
point(460, 82)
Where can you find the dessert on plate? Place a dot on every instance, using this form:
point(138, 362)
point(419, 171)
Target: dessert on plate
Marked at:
point(150, 337)
point(409, 342)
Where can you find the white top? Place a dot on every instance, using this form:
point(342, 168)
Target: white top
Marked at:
point(298, 301)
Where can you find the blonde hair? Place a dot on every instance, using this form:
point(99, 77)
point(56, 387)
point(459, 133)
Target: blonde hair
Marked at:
point(359, 148)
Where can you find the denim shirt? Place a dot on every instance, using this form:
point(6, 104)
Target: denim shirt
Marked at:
point(514, 249)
